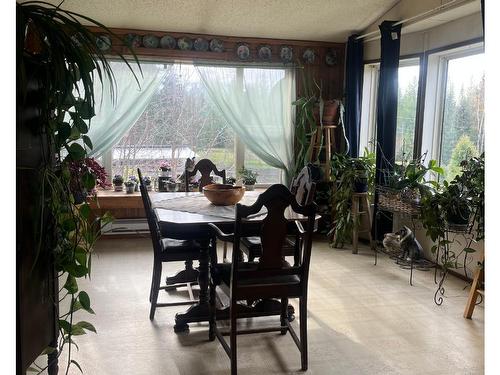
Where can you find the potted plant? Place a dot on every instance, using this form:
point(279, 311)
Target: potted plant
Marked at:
point(136, 182)
point(118, 182)
point(249, 178)
point(86, 174)
point(129, 186)
point(147, 183)
point(231, 180)
point(165, 169)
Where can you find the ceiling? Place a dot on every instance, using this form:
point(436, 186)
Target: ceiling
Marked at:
point(321, 20)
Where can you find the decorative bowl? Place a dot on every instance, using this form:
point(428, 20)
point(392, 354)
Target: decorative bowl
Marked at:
point(243, 51)
point(286, 54)
point(223, 194)
point(103, 42)
point(185, 43)
point(216, 45)
point(265, 53)
point(150, 41)
point(168, 42)
point(200, 44)
point(308, 56)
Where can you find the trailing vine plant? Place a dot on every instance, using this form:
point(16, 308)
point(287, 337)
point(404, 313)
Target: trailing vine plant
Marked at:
point(60, 54)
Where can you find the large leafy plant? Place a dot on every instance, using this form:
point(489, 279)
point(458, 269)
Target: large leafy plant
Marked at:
point(57, 51)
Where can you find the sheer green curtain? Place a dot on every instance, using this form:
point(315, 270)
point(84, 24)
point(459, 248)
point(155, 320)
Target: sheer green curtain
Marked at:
point(115, 117)
point(257, 104)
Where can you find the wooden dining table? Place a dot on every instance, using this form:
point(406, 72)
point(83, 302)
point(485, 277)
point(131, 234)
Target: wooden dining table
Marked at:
point(186, 216)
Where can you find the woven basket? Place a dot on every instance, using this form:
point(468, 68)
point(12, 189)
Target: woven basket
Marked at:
point(392, 200)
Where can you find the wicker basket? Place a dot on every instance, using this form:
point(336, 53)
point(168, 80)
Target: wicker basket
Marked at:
point(392, 200)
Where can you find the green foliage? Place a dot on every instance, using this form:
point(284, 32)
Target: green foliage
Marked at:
point(346, 172)
point(249, 177)
point(464, 149)
point(67, 63)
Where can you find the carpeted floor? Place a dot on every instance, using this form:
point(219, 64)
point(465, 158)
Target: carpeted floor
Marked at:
point(363, 319)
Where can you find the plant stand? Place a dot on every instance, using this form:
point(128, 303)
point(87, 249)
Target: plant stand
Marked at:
point(391, 202)
point(358, 201)
point(476, 289)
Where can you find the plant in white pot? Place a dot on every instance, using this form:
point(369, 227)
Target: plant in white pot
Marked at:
point(118, 182)
point(129, 186)
point(249, 178)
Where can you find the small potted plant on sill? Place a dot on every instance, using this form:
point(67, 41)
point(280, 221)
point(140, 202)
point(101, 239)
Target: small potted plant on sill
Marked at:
point(86, 174)
point(135, 181)
point(147, 183)
point(118, 182)
point(165, 169)
point(230, 180)
point(249, 178)
point(129, 186)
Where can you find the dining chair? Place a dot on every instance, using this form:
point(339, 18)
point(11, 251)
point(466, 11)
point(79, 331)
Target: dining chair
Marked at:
point(303, 187)
point(205, 167)
point(272, 276)
point(166, 250)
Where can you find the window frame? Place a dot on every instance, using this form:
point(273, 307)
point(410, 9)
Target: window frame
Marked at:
point(368, 128)
point(435, 93)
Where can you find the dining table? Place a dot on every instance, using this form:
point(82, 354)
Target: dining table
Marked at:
point(185, 216)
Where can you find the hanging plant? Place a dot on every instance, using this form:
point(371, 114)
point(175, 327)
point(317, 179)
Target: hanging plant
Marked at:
point(61, 56)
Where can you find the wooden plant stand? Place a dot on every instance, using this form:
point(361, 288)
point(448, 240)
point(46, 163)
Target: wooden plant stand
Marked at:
point(475, 291)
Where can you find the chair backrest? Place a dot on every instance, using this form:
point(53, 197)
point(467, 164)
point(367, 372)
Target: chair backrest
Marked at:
point(154, 226)
point(205, 167)
point(281, 207)
point(303, 187)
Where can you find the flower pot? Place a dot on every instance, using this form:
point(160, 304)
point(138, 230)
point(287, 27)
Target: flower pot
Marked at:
point(171, 186)
point(165, 173)
point(136, 188)
point(119, 187)
point(130, 189)
point(149, 187)
point(330, 111)
point(361, 185)
point(249, 187)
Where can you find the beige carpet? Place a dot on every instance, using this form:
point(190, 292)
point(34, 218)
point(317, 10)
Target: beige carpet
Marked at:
point(363, 319)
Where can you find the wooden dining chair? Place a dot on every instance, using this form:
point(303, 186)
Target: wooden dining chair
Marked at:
point(206, 167)
point(304, 188)
point(166, 250)
point(272, 276)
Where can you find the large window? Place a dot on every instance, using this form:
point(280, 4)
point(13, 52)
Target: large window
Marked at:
point(181, 122)
point(408, 80)
point(454, 107)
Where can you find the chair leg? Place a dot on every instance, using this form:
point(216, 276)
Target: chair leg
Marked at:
point(303, 332)
point(156, 289)
point(152, 282)
point(211, 317)
point(232, 329)
point(284, 315)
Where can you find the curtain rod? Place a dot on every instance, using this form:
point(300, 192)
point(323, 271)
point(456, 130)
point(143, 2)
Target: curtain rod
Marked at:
point(423, 15)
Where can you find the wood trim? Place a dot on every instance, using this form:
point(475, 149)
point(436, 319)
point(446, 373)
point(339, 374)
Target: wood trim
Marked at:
point(331, 77)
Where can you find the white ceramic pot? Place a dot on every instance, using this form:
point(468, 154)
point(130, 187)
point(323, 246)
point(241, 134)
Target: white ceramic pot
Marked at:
point(249, 187)
point(118, 187)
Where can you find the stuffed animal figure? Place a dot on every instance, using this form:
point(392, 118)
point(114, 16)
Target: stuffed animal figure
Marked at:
point(410, 247)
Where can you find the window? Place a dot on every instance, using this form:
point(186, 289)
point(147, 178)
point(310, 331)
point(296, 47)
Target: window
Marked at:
point(181, 122)
point(462, 133)
point(408, 80)
point(454, 107)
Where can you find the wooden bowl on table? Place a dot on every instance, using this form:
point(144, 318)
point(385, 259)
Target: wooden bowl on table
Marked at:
point(223, 194)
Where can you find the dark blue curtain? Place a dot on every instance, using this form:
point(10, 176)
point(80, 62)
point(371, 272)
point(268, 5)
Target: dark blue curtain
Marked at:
point(353, 88)
point(387, 104)
point(482, 14)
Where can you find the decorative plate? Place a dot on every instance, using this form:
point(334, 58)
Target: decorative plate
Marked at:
point(200, 44)
point(331, 58)
point(133, 40)
point(216, 45)
point(265, 53)
point(168, 42)
point(286, 54)
point(150, 41)
point(103, 42)
point(185, 43)
point(243, 51)
point(308, 56)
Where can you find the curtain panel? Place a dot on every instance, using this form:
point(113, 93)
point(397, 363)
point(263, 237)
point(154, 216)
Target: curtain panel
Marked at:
point(353, 87)
point(113, 118)
point(387, 104)
point(257, 104)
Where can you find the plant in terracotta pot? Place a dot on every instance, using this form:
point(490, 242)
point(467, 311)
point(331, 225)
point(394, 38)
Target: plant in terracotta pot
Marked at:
point(249, 178)
point(118, 182)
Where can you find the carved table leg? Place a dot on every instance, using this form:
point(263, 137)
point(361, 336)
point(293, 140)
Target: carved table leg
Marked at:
point(187, 275)
point(198, 312)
